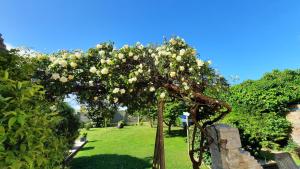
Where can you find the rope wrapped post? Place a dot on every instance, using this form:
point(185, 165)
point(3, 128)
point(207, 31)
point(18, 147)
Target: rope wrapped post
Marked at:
point(159, 151)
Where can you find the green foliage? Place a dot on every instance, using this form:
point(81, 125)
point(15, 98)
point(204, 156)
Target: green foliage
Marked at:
point(121, 124)
point(134, 76)
point(100, 113)
point(173, 109)
point(88, 125)
point(19, 68)
point(259, 108)
point(69, 125)
point(27, 137)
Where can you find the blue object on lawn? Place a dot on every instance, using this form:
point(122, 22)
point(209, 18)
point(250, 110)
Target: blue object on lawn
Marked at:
point(183, 121)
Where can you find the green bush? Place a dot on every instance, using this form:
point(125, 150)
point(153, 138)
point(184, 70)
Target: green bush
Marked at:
point(259, 108)
point(69, 125)
point(27, 128)
point(88, 125)
point(121, 124)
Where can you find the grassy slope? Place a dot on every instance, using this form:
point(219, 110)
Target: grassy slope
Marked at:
point(129, 148)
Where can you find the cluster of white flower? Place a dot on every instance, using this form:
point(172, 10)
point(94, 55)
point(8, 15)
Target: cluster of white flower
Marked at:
point(131, 80)
point(162, 95)
point(62, 62)
point(70, 77)
point(101, 52)
point(73, 65)
point(55, 76)
point(63, 79)
point(185, 86)
point(172, 60)
point(104, 71)
point(152, 89)
point(172, 74)
point(78, 55)
point(93, 69)
point(91, 83)
point(121, 56)
point(200, 63)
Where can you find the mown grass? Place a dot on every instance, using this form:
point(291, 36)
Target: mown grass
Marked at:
point(130, 148)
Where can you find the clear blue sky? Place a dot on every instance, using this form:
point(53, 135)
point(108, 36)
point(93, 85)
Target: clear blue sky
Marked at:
point(242, 37)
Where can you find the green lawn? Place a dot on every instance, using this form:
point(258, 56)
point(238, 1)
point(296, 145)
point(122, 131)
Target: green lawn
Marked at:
point(129, 148)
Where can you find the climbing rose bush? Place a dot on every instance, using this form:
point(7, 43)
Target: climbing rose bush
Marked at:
point(136, 76)
point(116, 75)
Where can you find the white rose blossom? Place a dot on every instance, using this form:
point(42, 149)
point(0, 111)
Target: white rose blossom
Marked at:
point(116, 100)
point(152, 89)
point(172, 74)
point(173, 41)
point(182, 52)
point(162, 95)
point(52, 59)
point(98, 46)
point(65, 55)
point(200, 63)
point(93, 69)
point(104, 71)
point(181, 68)
point(122, 91)
point(70, 77)
point(73, 64)
point(120, 55)
point(135, 57)
point(101, 52)
point(62, 63)
point(55, 76)
point(186, 87)
point(130, 54)
point(78, 55)
point(91, 83)
point(116, 90)
point(103, 61)
point(108, 61)
point(178, 58)
point(63, 79)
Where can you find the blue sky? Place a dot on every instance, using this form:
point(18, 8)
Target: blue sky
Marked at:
point(241, 37)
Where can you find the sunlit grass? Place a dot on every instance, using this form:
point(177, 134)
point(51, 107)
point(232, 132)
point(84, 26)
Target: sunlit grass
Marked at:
point(130, 148)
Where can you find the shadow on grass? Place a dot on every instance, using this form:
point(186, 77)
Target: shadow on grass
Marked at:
point(110, 161)
point(92, 141)
point(175, 133)
point(86, 148)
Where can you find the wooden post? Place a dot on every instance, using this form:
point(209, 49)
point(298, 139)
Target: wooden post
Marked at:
point(159, 152)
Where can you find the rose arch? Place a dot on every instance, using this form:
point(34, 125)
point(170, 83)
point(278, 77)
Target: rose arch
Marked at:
point(140, 75)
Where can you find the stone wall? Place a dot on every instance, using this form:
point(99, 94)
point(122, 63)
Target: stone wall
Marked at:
point(226, 149)
point(294, 118)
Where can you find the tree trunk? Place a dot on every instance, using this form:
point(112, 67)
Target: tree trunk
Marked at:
point(159, 152)
point(105, 123)
point(195, 166)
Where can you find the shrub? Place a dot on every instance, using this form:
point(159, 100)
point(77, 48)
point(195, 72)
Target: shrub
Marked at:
point(69, 125)
point(88, 125)
point(259, 108)
point(121, 124)
point(27, 137)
